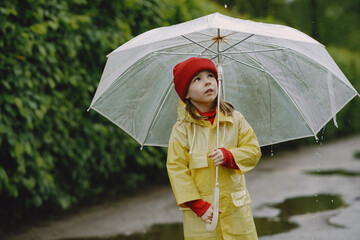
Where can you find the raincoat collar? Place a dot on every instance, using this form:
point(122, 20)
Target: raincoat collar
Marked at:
point(184, 116)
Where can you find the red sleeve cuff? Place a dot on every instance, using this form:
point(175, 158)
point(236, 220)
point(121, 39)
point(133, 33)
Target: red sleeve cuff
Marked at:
point(199, 207)
point(229, 161)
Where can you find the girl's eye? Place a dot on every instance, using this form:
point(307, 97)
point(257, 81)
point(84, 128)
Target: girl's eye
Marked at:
point(211, 75)
point(196, 79)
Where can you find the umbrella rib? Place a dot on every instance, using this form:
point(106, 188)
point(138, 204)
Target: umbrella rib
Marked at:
point(257, 51)
point(246, 64)
point(172, 53)
point(206, 49)
point(238, 43)
point(276, 46)
point(263, 44)
point(199, 44)
point(233, 33)
point(157, 111)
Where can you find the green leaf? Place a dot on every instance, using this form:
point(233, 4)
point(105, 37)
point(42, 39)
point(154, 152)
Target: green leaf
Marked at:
point(29, 183)
point(28, 149)
point(65, 202)
point(4, 180)
point(6, 85)
point(3, 129)
point(40, 163)
point(18, 103)
point(39, 28)
point(8, 11)
point(42, 50)
point(12, 190)
point(18, 151)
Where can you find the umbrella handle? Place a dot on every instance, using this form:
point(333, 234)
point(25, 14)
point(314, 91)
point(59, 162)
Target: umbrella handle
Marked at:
point(212, 226)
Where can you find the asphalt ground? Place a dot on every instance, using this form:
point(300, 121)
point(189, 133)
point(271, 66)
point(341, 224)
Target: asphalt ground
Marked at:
point(285, 175)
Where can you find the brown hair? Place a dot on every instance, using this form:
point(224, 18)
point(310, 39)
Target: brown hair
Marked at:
point(226, 107)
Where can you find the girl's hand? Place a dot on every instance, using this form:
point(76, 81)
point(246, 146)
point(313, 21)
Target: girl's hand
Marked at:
point(208, 215)
point(217, 157)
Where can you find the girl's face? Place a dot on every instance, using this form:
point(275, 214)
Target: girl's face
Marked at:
point(203, 90)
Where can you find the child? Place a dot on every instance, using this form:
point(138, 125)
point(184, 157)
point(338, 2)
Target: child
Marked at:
point(192, 159)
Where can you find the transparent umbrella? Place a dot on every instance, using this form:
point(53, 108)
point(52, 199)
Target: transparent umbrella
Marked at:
point(284, 82)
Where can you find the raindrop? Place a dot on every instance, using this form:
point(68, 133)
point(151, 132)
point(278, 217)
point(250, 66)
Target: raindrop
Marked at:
point(271, 151)
point(225, 5)
point(332, 200)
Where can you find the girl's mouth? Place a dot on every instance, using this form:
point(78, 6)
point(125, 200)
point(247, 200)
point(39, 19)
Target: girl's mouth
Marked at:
point(209, 91)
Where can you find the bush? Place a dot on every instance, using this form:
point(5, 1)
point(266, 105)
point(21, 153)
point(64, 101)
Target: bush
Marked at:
point(53, 152)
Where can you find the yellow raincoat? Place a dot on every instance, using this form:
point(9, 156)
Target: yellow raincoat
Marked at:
point(192, 174)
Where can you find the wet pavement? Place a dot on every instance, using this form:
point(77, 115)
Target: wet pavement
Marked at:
point(309, 193)
point(331, 169)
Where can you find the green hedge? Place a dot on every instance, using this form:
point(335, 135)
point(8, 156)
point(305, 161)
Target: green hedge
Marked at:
point(53, 152)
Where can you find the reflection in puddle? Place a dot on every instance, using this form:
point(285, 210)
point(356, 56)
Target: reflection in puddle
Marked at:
point(340, 172)
point(265, 226)
point(271, 226)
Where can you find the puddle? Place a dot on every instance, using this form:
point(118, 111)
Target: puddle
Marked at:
point(309, 204)
point(357, 155)
point(271, 226)
point(265, 226)
point(340, 172)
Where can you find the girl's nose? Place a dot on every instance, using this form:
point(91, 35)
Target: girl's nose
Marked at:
point(207, 81)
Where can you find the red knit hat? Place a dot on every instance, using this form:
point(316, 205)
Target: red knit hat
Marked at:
point(186, 70)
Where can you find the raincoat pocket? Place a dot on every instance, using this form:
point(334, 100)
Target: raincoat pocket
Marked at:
point(241, 198)
point(198, 160)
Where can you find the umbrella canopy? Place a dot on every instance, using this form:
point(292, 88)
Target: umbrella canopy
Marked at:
point(284, 82)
